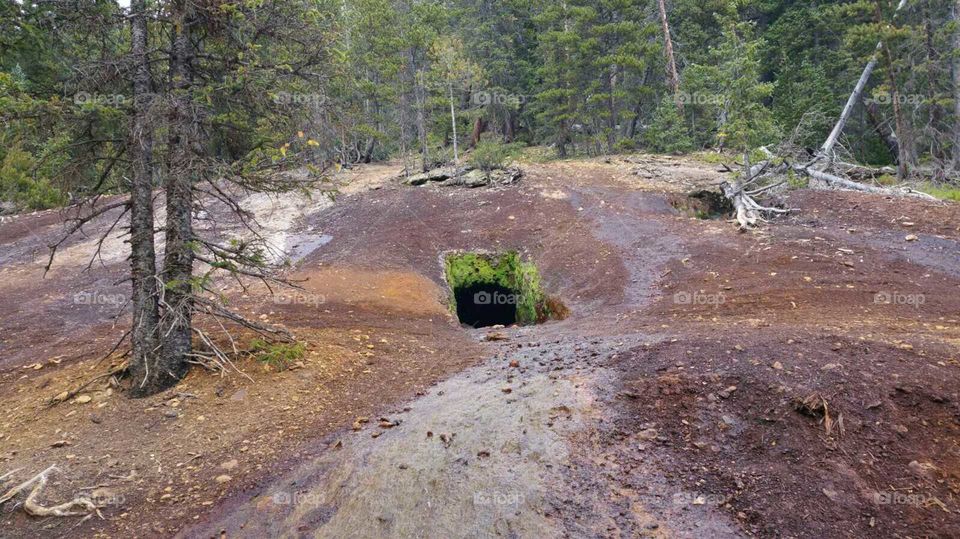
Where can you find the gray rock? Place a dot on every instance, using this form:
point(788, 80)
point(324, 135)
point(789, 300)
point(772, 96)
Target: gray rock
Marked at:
point(435, 175)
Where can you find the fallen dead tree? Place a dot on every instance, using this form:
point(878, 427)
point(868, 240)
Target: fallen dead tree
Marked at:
point(822, 171)
point(748, 211)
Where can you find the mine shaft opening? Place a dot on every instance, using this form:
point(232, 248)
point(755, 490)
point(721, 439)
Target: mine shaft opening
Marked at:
point(494, 289)
point(486, 304)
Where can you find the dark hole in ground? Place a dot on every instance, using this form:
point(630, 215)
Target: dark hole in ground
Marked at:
point(704, 204)
point(486, 304)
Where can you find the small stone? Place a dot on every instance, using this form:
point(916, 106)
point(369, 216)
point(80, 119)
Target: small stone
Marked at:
point(725, 394)
point(648, 434)
point(223, 478)
point(507, 389)
point(911, 237)
point(230, 464)
point(514, 363)
point(83, 399)
point(777, 366)
point(923, 469)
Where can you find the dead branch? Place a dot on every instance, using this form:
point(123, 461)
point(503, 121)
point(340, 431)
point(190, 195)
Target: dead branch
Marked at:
point(266, 331)
point(79, 506)
point(219, 359)
point(78, 224)
point(837, 182)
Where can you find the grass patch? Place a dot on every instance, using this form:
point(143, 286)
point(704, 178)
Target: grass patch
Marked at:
point(943, 191)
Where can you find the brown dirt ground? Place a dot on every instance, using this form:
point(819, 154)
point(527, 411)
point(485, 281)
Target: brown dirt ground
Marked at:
point(799, 316)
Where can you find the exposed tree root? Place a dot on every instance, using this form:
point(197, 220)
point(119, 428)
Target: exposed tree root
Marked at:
point(79, 506)
point(747, 211)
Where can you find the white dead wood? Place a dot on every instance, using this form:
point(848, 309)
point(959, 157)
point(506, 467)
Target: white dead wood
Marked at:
point(78, 506)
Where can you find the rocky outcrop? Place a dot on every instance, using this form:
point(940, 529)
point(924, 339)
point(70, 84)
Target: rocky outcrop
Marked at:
point(468, 177)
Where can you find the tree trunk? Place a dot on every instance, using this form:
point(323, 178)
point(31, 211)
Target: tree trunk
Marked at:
point(562, 140)
point(421, 120)
point(888, 137)
point(612, 109)
point(479, 126)
point(935, 110)
point(672, 78)
point(177, 274)
point(367, 156)
point(143, 261)
point(453, 122)
point(509, 129)
point(632, 126)
point(827, 149)
point(905, 153)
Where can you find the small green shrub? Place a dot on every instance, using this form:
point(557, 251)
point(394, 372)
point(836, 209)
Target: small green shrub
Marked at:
point(490, 155)
point(278, 355)
point(625, 145)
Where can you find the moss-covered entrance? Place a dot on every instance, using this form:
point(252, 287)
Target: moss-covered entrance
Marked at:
point(490, 289)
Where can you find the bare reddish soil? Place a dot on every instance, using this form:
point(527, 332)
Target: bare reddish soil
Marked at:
point(689, 347)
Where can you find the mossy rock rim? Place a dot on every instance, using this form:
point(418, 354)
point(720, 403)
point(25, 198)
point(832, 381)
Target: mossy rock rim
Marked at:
point(464, 268)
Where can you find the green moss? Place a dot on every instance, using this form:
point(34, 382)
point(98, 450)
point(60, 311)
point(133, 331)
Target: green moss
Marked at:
point(506, 270)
